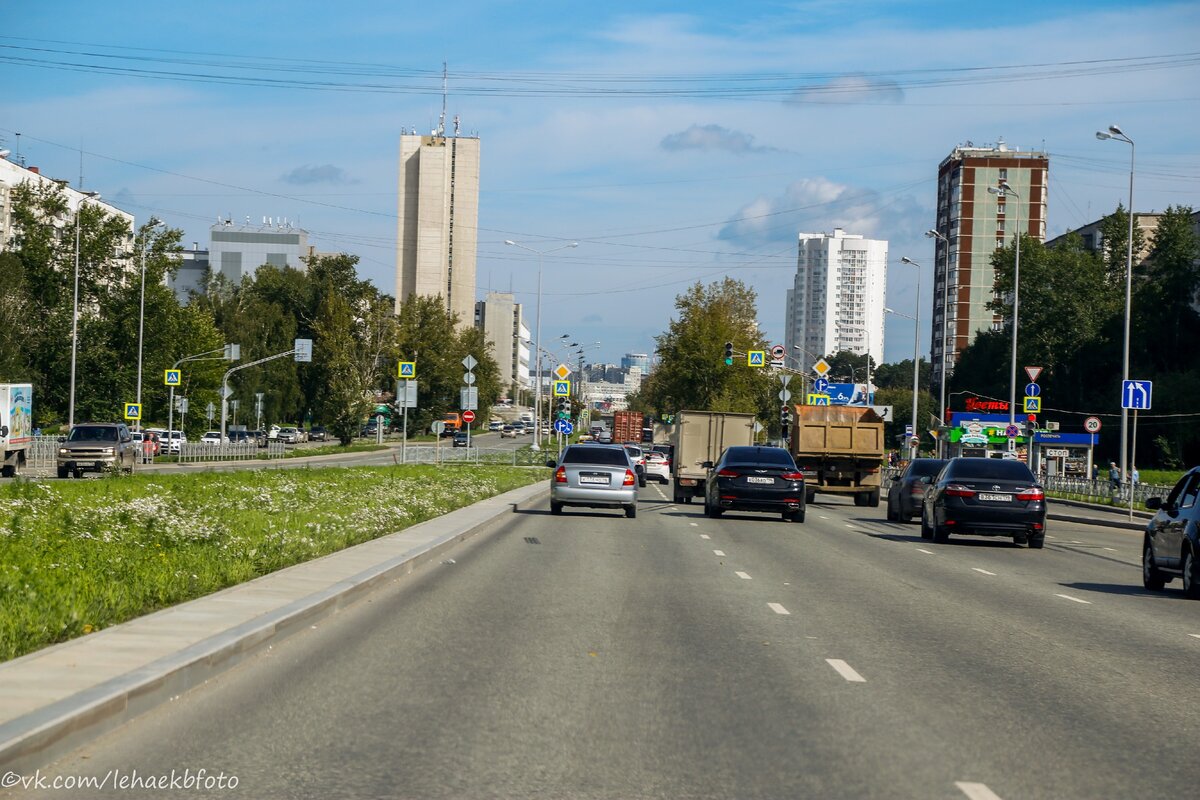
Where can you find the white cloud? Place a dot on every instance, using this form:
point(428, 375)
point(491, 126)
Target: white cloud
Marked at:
point(850, 89)
point(308, 174)
point(713, 137)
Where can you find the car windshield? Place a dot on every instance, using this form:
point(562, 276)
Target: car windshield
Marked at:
point(771, 456)
point(213, 434)
point(926, 466)
point(92, 433)
point(1002, 469)
point(606, 456)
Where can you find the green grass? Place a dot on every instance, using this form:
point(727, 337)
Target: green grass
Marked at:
point(333, 449)
point(78, 556)
point(1160, 477)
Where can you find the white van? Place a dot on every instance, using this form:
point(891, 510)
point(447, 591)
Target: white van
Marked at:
point(527, 416)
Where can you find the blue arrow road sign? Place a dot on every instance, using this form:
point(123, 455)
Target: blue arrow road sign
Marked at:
point(564, 426)
point(1136, 394)
point(821, 385)
point(1032, 390)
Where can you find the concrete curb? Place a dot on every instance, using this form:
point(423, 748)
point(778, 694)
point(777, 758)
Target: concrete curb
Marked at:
point(51, 731)
point(1108, 523)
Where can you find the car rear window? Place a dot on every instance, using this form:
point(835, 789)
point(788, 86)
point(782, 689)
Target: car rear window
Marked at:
point(606, 456)
point(759, 455)
point(927, 466)
point(1005, 469)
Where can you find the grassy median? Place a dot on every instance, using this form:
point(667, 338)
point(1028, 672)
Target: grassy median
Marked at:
point(78, 556)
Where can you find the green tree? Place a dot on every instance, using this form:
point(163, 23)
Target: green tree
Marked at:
point(349, 351)
point(1114, 233)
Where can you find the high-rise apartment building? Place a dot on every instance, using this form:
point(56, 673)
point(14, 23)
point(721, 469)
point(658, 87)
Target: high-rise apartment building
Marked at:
point(837, 297)
point(974, 223)
point(438, 220)
point(500, 319)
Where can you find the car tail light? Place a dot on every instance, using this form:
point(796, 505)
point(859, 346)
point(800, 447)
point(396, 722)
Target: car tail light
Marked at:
point(630, 478)
point(727, 473)
point(560, 476)
point(792, 476)
point(1037, 526)
point(917, 489)
point(958, 490)
point(1034, 493)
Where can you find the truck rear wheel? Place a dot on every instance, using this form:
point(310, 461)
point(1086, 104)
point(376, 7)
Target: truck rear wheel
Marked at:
point(873, 499)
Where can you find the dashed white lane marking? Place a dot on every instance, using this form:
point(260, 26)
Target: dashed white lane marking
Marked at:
point(822, 516)
point(984, 571)
point(848, 525)
point(976, 791)
point(1111, 549)
point(778, 609)
point(705, 536)
point(694, 524)
point(1076, 541)
point(1194, 635)
point(742, 575)
point(923, 550)
point(845, 670)
point(718, 552)
point(1074, 599)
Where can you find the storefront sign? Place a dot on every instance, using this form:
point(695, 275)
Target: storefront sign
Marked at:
point(975, 404)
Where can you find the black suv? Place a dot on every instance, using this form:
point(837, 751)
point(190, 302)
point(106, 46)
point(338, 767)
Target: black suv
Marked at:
point(1172, 543)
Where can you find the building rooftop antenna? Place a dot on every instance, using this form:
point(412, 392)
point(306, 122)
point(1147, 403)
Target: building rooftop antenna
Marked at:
point(441, 130)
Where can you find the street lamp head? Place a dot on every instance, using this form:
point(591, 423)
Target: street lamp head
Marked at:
point(1116, 131)
point(932, 234)
point(573, 244)
point(1101, 135)
point(509, 242)
point(906, 260)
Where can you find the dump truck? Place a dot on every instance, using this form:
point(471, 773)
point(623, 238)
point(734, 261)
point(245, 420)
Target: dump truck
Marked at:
point(627, 426)
point(839, 449)
point(701, 436)
point(16, 427)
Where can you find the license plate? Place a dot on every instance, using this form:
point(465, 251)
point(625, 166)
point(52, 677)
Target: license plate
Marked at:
point(997, 498)
point(594, 479)
point(755, 479)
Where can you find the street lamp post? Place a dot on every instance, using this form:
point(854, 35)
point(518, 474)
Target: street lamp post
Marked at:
point(917, 327)
point(1005, 189)
point(916, 437)
point(537, 398)
point(933, 234)
point(75, 310)
point(1117, 134)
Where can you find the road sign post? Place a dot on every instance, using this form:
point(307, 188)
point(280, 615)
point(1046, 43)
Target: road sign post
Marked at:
point(1092, 424)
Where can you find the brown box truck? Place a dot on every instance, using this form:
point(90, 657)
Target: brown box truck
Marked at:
point(627, 426)
point(840, 451)
point(701, 436)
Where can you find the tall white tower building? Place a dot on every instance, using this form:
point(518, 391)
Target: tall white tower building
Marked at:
point(837, 298)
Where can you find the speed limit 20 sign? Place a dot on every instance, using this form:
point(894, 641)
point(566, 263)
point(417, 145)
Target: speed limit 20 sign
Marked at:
point(1092, 424)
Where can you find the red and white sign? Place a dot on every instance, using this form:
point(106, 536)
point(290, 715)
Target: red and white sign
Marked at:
point(468, 416)
point(1033, 373)
point(1091, 424)
point(778, 352)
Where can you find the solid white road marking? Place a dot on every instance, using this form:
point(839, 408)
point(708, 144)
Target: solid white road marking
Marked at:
point(718, 552)
point(923, 550)
point(845, 670)
point(1194, 635)
point(705, 536)
point(778, 609)
point(1074, 599)
point(984, 571)
point(976, 791)
point(742, 575)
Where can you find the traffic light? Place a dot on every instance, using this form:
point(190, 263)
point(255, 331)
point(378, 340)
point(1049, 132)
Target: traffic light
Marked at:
point(564, 409)
point(729, 354)
point(784, 418)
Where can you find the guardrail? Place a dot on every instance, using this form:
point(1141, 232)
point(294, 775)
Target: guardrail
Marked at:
point(428, 454)
point(195, 452)
point(1102, 489)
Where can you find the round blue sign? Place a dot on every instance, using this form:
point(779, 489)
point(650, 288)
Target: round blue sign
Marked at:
point(1032, 390)
point(1012, 431)
point(821, 385)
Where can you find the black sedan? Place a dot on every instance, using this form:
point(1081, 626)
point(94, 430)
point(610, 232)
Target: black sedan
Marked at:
point(1172, 543)
point(755, 479)
point(907, 491)
point(986, 497)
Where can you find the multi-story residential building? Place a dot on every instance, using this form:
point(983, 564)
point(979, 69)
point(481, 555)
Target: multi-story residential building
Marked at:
point(837, 297)
point(639, 360)
point(237, 250)
point(1146, 221)
point(501, 320)
point(191, 274)
point(974, 223)
point(438, 215)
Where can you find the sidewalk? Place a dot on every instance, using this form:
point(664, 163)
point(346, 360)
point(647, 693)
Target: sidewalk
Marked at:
point(59, 698)
point(1094, 514)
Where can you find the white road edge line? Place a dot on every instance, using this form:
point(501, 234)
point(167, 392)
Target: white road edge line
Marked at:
point(1074, 599)
point(1194, 635)
point(984, 571)
point(743, 576)
point(923, 550)
point(845, 670)
point(976, 791)
point(718, 552)
point(778, 609)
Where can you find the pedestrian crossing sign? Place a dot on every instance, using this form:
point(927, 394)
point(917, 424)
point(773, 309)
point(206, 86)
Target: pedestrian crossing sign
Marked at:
point(756, 358)
point(562, 388)
point(133, 411)
point(171, 377)
point(407, 369)
point(1033, 405)
point(818, 400)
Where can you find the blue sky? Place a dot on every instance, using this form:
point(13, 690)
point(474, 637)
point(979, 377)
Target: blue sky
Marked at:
point(674, 145)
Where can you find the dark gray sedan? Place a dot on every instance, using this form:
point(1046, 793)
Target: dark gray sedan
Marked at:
point(593, 476)
point(907, 491)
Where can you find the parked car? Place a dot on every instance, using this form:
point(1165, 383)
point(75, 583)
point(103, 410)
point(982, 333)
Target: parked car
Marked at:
point(508, 432)
point(460, 439)
point(1171, 546)
point(907, 492)
point(289, 434)
point(318, 434)
point(593, 476)
point(986, 497)
point(94, 447)
point(369, 431)
point(213, 437)
point(273, 433)
point(175, 441)
point(657, 467)
point(639, 461)
point(753, 478)
point(242, 437)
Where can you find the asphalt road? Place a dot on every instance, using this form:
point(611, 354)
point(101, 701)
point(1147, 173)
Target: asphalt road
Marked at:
point(674, 656)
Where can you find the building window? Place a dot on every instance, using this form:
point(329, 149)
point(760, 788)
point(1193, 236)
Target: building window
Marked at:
point(1003, 174)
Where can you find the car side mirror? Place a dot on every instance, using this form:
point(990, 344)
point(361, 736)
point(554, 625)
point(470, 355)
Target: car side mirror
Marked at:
point(62, 439)
point(1154, 503)
point(551, 464)
point(707, 465)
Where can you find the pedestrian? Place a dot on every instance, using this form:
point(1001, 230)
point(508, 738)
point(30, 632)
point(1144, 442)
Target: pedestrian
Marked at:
point(1114, 478)
point(1133, 476)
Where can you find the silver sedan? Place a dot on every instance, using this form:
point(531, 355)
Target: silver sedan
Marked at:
point(593, 476)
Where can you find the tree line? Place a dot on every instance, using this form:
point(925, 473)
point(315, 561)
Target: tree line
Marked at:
point(358, 337)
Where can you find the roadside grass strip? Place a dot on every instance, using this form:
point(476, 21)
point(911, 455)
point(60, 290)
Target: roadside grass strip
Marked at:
point(79, 556)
